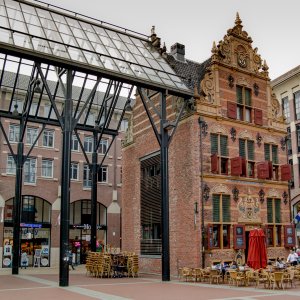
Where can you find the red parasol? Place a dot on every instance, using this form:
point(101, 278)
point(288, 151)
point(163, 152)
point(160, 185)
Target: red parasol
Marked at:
point(257, 252)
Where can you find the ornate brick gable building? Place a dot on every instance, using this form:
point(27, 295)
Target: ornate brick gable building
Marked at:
point(237, 160)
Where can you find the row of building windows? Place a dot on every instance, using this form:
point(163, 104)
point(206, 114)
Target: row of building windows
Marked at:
point(286, 107)
point(244, 165)
point(47, 166)
point(220, 228)
point(90, 119)
point(48, 139)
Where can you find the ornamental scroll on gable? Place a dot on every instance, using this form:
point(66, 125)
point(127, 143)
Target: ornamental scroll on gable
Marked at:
point(236, 50)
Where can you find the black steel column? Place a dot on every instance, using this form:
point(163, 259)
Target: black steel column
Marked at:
point(201, 195)
point(65, 185)
point(164, 192)
point(94, 195)
point(17, 209)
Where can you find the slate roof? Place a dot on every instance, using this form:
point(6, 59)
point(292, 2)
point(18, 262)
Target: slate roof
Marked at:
point(192, 72)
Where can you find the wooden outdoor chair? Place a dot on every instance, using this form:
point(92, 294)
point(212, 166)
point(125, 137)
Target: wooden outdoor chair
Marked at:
point(197, 274)
point(276, 279)
point(261, 277)
point(186, 273)
point(289, 278)
point(215, 276)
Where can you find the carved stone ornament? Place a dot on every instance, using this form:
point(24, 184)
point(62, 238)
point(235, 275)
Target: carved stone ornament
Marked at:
point(230, 81)
point(275, 106)
point(233, 133)
point(219, 189)
point(285, 197)
point(227, 52)
point(243, 81)
point(258, 139)
point(207, 87)
point(242, 60)
point(256, 89)
point(248, 208)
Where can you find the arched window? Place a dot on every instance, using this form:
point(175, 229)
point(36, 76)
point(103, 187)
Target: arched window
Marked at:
point(80, 213)
point(33, 210)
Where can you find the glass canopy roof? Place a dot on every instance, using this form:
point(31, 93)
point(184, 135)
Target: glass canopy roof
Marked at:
point(36, 29)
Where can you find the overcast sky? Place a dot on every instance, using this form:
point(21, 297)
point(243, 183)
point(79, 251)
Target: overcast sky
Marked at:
point(273, 25)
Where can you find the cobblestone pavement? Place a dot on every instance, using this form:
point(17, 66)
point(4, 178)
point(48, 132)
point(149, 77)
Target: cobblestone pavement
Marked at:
point(42, 284)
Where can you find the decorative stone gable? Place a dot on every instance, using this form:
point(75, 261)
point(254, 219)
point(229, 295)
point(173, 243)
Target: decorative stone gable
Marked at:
point(236, 50)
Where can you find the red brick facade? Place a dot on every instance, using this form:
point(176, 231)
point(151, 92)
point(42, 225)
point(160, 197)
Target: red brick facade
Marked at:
point(234, 64)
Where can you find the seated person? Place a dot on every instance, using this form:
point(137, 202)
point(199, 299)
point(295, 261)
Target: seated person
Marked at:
point(279, 263)
point(233, 265)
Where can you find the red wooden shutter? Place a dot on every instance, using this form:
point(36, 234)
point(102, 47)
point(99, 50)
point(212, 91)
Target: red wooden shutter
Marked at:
point(214, 164)
point(236, 166)
point(289, 236)
point(231, 110)
point(244, 171)
point(263, 170)
point(239, 237)
point(286, 172)
point(258, 117)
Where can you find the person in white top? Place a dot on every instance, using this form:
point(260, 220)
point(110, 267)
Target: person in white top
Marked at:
point(292, 258)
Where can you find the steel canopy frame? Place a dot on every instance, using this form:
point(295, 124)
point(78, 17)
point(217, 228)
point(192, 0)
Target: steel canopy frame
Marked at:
point(41, 32)
point(153, 73)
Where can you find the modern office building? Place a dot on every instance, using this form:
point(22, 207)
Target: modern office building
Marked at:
point(287, 90)
point(41, 190)
point(228, 170)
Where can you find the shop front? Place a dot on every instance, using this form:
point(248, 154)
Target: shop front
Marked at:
point(35, 232)
point(80, 229)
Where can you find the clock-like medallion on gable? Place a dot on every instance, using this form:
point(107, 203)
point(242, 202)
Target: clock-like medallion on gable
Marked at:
point(242, 60)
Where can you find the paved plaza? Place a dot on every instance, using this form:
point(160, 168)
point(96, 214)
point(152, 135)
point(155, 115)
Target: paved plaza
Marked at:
point(42, 284)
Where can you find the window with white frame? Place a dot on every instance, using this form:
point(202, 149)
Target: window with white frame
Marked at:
point(87, 177)
point(74, 143)
point(103, 174)
point(103, 146)
point(47, 114)
point(74, 171)
point(14, 133)
point(47, 168)
point(17, 104)
point(48, 138)
point(286, 109)
point(88, 144)
point(31, 135)
point(10, 165)
point(33, 109)
point(30, 170)
point(90, 119)
point(124, 125)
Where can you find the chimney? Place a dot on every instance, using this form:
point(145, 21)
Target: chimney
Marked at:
point(178, 52)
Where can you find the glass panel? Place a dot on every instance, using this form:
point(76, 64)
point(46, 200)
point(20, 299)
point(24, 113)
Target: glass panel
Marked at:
point(2, 11)
point(78, 33)
point(4, 22)
point(41, 46)
point(43, 13)
point(14, 14)
point(35, 30)
point(18, 26)
point(31, 19)
point(22, 40)
point(73, 22)
point(58, 18)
